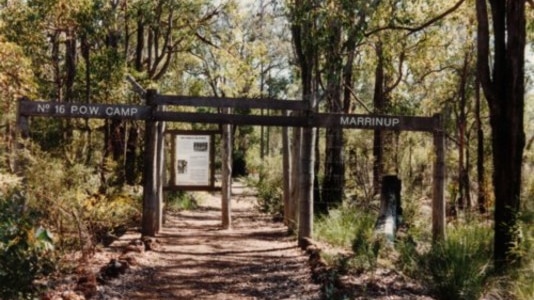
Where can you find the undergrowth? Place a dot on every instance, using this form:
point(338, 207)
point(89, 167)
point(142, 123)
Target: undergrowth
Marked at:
point(350, 228)
point(26, 248)
point(457, 268)
point(180, 200)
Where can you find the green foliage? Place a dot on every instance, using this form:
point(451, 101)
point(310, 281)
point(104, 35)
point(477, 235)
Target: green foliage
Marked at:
point(68, 195)
point(26, 248)
point(268, 184)
point(522, 278)
point(350, 228)
point(457, 268)
point(180, 200)
point(270, 194)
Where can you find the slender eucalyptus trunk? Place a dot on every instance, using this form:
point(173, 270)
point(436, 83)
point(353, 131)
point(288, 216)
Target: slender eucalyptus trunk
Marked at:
point(226, 218)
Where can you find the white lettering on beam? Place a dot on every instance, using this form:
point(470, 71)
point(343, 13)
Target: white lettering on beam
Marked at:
point(370, 121)
point(84, 110)
point(43, 108)
point(121, 111)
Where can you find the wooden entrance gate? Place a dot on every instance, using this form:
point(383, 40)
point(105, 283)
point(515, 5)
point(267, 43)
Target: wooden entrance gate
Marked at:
point(155, 115)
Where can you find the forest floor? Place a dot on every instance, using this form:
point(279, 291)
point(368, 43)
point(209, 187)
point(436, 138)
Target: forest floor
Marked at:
point(193, 258)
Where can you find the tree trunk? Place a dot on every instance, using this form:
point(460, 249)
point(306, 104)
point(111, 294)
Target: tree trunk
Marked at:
point(70, 64)
point(334, 179)
point(286, 167)
point(140, 42)
point(463, 147)
point(130, 165)
point(378, 103)
point(334, 167)
point(320, 206)
point(295, 173)
point(226, 217)
point(504, 89)
point(306, 186)
point(481, 176)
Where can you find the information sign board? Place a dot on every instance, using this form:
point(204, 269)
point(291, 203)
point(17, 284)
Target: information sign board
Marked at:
point(192, 155)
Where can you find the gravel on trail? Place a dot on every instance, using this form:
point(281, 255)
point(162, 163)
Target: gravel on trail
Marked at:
point(193, 258)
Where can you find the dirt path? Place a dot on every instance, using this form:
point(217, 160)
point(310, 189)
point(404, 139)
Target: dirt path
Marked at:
point(195, 259)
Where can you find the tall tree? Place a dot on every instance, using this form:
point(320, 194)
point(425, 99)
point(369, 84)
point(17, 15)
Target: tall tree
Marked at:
point(503, 83)
point(303, 29)
point(341, 31)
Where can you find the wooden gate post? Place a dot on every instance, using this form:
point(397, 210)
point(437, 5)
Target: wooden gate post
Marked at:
point(160, 176)
point(151, 210)
point(307, 176)
point(438, 182)
point(226, 189)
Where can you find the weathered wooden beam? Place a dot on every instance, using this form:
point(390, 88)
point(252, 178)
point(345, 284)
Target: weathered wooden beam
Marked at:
point(383, 122)
point(241, 103)
point(233, 119)
point(80, 110)
point(192, 132)
point(142, 112)
point(192, 188)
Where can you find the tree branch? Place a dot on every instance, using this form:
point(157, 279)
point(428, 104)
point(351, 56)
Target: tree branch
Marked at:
point(420, 27)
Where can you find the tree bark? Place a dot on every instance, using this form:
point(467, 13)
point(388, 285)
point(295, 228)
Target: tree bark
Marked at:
point(295, 172)
point(379, 104)
point(463, 176)
point(334, 166)
point(503, 86)
point(226, 217)
point(481, 176)
point(303, 29)
point(286, 166)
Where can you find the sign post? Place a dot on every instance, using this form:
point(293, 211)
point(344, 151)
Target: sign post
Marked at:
point(151, 219)
point(191, 167)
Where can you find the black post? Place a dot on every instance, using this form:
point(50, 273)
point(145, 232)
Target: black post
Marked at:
point(390, 206)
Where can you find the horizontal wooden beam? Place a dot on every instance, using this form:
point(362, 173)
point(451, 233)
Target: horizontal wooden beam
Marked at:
point(191, 188)
point(383, 122)
point(79, 110)
point(353, 121)
point(230, 119)
point(140, 112)
point(240, 103)
point(192, 132)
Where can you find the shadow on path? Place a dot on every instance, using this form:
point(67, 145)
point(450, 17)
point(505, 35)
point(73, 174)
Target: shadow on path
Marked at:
point(256, 259)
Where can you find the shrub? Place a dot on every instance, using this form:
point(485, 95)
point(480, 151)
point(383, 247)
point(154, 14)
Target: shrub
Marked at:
point(350, 228)
point(269, 185)
point(522, 279)
point(457, 268)
point(26, 249)
point(180, 200)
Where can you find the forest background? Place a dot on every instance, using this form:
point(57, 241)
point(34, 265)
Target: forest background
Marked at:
point(74, 184)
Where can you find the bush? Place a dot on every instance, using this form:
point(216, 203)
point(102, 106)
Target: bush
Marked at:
point(350, 228)
point(26, 249)
point(269, 185)
point(457, 268)
point(180, 200)
point(523, 278)
point(67, 195)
